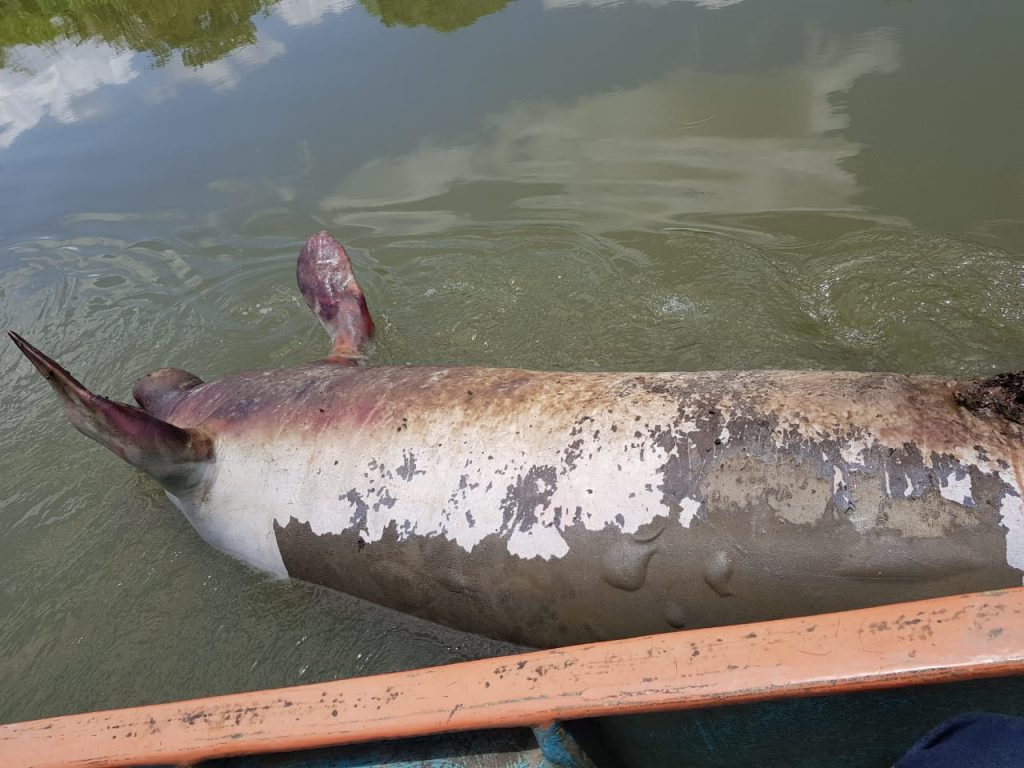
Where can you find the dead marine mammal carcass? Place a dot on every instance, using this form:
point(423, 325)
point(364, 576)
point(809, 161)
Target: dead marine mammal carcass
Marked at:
point(550, 508)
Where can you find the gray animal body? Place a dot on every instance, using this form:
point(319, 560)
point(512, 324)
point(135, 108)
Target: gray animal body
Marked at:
point(551, 508)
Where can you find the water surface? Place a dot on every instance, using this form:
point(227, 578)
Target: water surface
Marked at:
point(560, 184)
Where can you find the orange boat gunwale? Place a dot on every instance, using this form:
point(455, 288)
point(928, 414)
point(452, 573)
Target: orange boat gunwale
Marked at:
point(945, 639)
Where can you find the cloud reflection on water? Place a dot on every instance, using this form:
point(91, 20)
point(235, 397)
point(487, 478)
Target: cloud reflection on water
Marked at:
point(304, 13)
point(689, 142)
point(88, 46)
point(54, 80)
point(552, 4)
point(221, 75)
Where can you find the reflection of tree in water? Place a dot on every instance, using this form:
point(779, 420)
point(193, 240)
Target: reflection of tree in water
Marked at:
point(442, 15)
point(202, 30)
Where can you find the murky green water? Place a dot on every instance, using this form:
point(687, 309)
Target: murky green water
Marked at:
point(557, 184)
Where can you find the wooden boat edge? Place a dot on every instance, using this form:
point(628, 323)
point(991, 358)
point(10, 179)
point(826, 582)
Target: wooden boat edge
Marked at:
point(961, 637)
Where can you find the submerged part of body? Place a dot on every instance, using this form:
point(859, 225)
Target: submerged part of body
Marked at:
point(552, 508)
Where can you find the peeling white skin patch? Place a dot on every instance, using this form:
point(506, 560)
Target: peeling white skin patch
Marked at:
point(689, 510)
point(957, 487)
point(432, 480)
point(466, 484)
point(853, 452)
point(538, 542)
point(1011, 508)
point(1011, 513)
point(837, 480)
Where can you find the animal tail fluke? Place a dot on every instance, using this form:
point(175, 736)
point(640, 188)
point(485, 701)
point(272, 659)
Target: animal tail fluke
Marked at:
point(170, 454)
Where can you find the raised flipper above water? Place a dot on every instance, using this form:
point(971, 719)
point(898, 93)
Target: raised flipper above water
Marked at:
point(170, 454)
point(329, 286)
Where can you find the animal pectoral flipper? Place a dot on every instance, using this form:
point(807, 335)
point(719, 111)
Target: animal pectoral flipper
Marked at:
point(325, 277)
point(170, 454)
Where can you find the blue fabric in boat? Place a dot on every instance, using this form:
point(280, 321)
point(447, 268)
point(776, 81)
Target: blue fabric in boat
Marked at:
point(976, 740)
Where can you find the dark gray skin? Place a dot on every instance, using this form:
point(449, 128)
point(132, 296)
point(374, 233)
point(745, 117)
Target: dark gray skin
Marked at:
point(553, 508)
